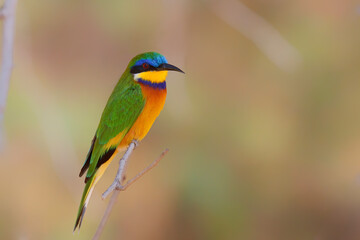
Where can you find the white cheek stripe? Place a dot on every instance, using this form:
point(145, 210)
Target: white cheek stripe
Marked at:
point(137, 76)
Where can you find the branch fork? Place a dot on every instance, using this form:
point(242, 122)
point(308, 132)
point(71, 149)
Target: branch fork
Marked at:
point(118, 185)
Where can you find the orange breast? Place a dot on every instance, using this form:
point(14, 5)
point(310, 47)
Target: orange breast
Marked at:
point(154, 103)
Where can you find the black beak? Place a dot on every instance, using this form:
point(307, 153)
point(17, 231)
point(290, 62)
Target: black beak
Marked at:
point(168, 67)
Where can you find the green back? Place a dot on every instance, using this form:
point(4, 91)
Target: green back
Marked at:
point(122, 109)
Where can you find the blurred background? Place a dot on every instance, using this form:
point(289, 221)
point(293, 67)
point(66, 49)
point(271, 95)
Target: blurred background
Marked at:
point(263, 130)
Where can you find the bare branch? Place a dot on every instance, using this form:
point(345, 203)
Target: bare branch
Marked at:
point(106, 215)
point(117, 186)
point(7, 13)
point(143, 172)
point(120, 173)
point(259, 31)
point(2, 15)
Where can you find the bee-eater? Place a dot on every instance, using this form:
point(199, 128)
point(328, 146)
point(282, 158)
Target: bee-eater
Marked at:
point(131, 110)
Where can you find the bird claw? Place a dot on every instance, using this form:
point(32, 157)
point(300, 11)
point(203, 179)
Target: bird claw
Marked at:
point(136, 143)
point(119, 187)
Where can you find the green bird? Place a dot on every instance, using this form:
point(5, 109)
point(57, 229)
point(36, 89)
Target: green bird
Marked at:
point(135, 103)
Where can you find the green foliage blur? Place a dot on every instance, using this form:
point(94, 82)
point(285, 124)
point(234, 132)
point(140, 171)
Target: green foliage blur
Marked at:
point(257, 151)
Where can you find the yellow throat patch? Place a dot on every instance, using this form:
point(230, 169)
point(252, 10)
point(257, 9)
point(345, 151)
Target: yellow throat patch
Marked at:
point(152, 76)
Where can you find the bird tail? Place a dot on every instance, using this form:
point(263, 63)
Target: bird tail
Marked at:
point(89, 187)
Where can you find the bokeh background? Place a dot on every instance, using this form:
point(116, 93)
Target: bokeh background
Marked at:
point(263, 130)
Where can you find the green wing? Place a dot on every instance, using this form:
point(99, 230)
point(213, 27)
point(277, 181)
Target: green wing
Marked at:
point(120, 113)
point(122, 109)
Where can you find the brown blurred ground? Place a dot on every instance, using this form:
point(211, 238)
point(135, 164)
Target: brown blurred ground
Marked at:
point(256, 152)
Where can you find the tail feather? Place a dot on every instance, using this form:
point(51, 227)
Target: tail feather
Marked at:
point(89, 187)
point(80, 218)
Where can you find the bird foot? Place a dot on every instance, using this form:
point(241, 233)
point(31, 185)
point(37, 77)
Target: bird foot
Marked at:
point(119, 187)
point(136, 143)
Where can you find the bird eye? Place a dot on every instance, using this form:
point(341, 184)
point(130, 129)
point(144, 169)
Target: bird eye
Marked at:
point(145, 65)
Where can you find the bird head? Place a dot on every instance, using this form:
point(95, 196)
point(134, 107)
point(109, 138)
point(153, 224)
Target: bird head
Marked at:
point(151, 66)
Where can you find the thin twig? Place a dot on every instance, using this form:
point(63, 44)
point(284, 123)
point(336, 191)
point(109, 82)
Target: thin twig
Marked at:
point(143, 172)
point(120, 173)
point(119, 187)
point(106, 215)
point(8, 15)
point(2, 15)
point(259, 31)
